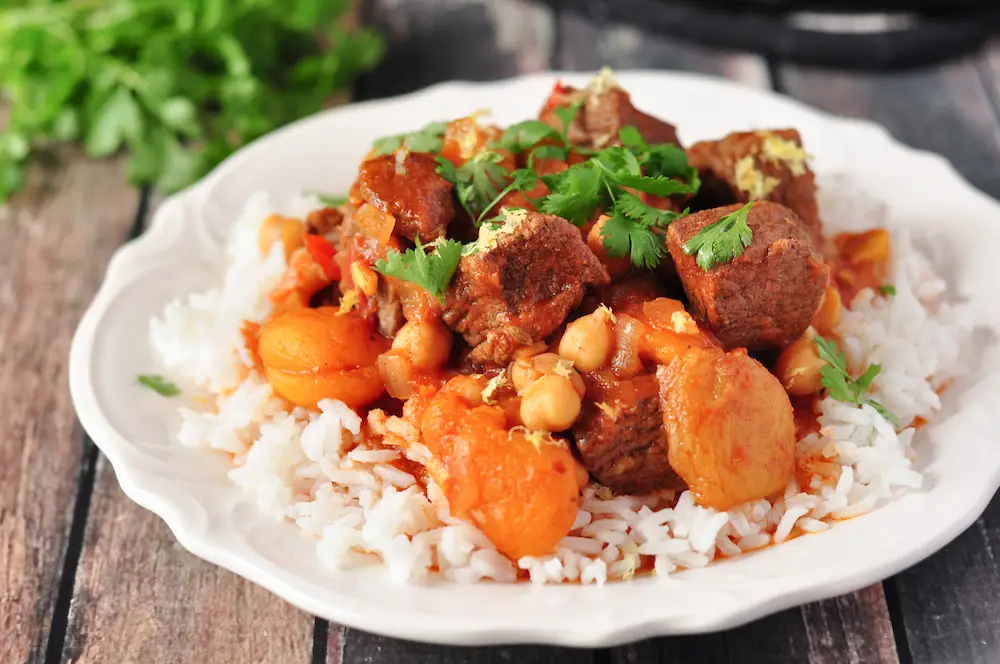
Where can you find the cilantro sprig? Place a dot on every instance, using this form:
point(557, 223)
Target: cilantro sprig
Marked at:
point(159, 384)
point(609, 181)
point(525, 136)
point(839, 384)
point(722, 241)
point(177, 85)
point(431, 271)
point(477, 182)
point(428, 139)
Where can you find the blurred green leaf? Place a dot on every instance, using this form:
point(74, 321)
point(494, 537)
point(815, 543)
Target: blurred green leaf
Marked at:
point(181, 115)
point(117, 118)
point(179, 84)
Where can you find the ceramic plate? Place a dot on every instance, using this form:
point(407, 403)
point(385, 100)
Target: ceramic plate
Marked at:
point(181, 252)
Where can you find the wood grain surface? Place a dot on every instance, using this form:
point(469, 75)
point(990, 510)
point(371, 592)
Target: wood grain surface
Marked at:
point(140, 597)
point(90, 577)
point(55, 240)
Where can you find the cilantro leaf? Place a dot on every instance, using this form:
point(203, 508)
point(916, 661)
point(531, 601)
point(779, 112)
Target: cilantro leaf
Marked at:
point(477, 182)
point(887, 289)
point(576, 193)
point(657, 185)
point(567, 114)
point(524, 135)
point(838, 382)
point(431, 271)
point(332, 201)
point(618, 162)
point(721, 241)
point(633, 208)
point(624, 237)
point(159, 384)
point(428, 139)
point(631, 231)
point(663, 160)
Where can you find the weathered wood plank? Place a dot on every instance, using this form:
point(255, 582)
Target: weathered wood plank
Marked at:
point(946, 110)
point(989, 69)
point(438, 40)
point(830, 632)
point(853, 628)
point(55, 239)
point(140, 597)
point(948, 605)
point(360, 647)
point(587, 45)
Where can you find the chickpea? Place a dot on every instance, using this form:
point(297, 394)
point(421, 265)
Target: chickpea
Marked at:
point(551, 403)
point(364, 278)
point(587, 341)
point(290, 231)
point(828, 314)
point(396, 371)
point(798, 367)
point(470, 388)
point(526, 370)
point(427, 343)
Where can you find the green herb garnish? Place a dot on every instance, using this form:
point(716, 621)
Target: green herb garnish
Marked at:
point(721, 241)
point(331, 201)
point(887, 289)
point(159, 384)
point(838, 381)
point(607, 182)
point(477, 182)
point(431, 271)
point(429, 139)
point(177, 85)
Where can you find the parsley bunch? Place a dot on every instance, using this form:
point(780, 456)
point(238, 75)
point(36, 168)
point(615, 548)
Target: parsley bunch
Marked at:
point(839, 384)
point(179, 83)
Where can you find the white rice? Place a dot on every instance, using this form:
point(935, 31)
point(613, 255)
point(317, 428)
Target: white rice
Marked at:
point(313, 468)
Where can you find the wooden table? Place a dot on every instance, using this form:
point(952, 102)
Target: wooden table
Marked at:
point(87, 576)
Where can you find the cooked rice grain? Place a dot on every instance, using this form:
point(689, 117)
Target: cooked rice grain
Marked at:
point(314, 469)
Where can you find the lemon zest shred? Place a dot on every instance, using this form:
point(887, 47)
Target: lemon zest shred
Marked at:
point(563, 367)
point(348, 301)
point(751, 180)
point(603, 493)
point(778, 150)
point(610, 411)
point(492, 386)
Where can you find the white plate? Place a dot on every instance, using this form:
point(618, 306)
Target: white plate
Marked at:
point(188, 489)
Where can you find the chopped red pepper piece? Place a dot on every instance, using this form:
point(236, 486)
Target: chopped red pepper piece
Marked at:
point(323, 252)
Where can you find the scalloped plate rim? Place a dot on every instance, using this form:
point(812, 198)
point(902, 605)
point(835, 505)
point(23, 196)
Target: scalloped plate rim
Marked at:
point(135, 480)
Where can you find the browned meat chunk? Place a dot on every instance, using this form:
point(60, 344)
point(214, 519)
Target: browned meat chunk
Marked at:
point(767, 296)
point(324, 221)
point(606, 109)
point(621, 438)
point(411, 191)
point(757, 165)
point(520, 285)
